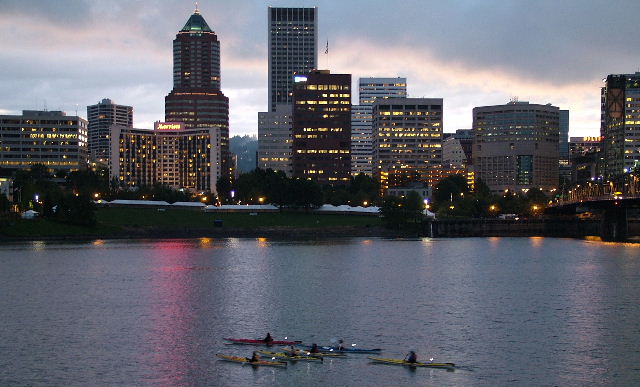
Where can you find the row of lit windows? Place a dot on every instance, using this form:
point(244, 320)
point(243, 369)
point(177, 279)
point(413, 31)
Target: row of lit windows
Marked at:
point(322, 151)
point(312, 102)
point(327, 87)
point(322, 129)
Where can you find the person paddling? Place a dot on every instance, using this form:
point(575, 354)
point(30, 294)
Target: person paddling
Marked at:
point(340, 345)
point(268, 339)
point(254, 357)
point(314, 348)
point(411, 357)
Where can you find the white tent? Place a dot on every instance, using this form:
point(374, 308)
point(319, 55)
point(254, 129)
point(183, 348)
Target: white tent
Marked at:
point(29, 214)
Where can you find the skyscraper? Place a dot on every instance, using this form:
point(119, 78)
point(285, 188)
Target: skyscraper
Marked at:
point(370, 90)
point(293, 46)
point(100, 117)
point(322, 127)
point(516, 146)
point(275, 139)
point(620, 123)
point(407, 140)
point(292, 50)
point(196, 99)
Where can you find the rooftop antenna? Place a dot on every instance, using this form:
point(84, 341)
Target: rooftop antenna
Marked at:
point(76, 110)
point(44, 105)
point(196, 11)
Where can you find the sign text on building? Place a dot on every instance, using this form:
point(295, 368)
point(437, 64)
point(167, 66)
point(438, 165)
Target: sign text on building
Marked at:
point(168, 126)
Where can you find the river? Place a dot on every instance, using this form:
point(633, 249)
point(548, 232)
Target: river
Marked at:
point(507, 311)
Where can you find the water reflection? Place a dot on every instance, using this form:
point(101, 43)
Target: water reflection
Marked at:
point(510, 311)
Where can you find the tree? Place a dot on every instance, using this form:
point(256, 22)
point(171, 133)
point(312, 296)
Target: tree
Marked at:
point(392, 212)
point(413, 206)
point(306, 193)
point(450, 188)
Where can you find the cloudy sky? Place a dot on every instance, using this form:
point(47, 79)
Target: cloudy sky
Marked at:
point(67, 54)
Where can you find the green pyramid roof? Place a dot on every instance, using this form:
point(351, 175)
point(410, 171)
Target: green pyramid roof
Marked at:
point(196, 23)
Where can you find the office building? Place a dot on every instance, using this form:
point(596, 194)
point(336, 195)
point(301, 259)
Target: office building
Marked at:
point(620, 123)
point(100, 117)
point(196, 99)
point(322, 127)
point(171, 154)
point(293, 48)
point(51, 138)
point(407, 140)
point(516, 146)
point(564, 166)
point(453, 155)
point(370, 90)
point(275, 139)
point(582, 145)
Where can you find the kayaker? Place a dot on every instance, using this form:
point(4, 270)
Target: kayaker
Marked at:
point(292, 351)
point(340, 345)
point(268, 339)
point(314, 348)
point(411, 357)
point(254, 357)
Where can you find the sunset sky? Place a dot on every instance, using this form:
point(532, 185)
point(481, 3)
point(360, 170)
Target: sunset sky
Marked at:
point(65, 55)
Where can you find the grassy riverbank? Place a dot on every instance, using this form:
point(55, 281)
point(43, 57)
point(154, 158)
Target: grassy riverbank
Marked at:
point(181, 223)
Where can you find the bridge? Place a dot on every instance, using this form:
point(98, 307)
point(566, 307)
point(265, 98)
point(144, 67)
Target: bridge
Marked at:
point(612, 199)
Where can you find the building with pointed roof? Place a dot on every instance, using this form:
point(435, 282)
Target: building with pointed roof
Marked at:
point(196, 99)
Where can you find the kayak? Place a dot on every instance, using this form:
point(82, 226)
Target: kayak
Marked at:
point(262, 342)
point(330, 349)
point(406, 363)
point(243, 360)
point(319, 354)
point(284, 356)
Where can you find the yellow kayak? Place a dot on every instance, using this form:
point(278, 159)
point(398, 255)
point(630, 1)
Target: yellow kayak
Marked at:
point(286, 356)
point(408, 364)
point(244, 360)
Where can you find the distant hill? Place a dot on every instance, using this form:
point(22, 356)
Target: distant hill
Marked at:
point(245, 147)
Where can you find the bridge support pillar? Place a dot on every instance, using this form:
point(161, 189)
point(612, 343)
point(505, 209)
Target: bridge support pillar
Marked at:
point(613, 226)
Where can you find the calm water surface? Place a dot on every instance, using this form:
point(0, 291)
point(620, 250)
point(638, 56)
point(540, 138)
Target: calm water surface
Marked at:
point(509, 311)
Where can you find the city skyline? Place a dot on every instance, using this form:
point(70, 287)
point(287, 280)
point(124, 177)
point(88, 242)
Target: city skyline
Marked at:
point(68, 55)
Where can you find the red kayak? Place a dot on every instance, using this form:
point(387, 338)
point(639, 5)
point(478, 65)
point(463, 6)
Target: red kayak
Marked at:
point(262, 342)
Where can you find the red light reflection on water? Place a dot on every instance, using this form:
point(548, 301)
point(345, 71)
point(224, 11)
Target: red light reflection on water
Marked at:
point(170, 319)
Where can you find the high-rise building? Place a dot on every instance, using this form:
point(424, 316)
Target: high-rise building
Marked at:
point(465, 136)
point(516, 146)
point(564, 135)
point(293, 42)
point(407, 140)
point(564, 166)
point(196, 99)
point(620, 123)
point(453, 155)
point(322, 127)
point(370, 90)
point(171, 154)
point(275, 139)
point(100, 117)
point(293, 48)
point(50, 138)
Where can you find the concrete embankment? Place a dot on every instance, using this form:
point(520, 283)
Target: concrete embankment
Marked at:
point(563, 228)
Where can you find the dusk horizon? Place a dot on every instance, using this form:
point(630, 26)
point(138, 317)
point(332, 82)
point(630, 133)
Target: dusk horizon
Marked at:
point(68, 55)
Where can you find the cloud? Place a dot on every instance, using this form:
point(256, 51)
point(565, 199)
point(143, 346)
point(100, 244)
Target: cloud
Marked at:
point(470, 53)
